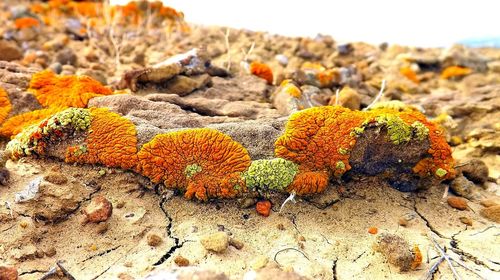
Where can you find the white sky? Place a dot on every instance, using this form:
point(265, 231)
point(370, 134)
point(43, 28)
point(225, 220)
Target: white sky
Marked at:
point(417, 22)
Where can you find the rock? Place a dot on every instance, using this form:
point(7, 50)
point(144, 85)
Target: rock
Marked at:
point(102, 228)
point(4, 176)
point(66, 56)
point(246, 202)
point(186, 273)
point(282, 59)
point(183, 85)
point(8, 273)
point(348, 98)
point(58, 43)
point(98, 210)
point(490, 202)
point(462, 186)
point(26, 34)
point(263, 208)
point(475, 170)
point(55, 178)
point(259, 262)
point(236, 243)
point(271, 273)
point(181, 261)
point(56, 67)
point(154, 239)
point(494, 66)
point(95, 74)
point(216, 242)
point(457, 202)
point(396, 250)
point(463, 56)
point(466, 220)
point(492, 213)
point(10, 51)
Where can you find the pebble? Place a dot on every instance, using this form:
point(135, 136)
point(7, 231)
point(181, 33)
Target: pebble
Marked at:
point(490, 202)
point(236, 243)
point(10, 51)
point(215, 242)
point(264, 208)
point(259, 262)
point(56, 67)
point(492, 213)
point(466, 221)
point(154, 240)
point(102, 228)
point(98, 210)
point(8, 273)
point(50, 252)
point(457, 202)
point(246, 202)
point(475, 170)
point(282, 59)
point(67, 56)
point(55, 178)
point(348, 98)
point(181, 261)
point(373, 230)
point(462, 186)
point(396, 250)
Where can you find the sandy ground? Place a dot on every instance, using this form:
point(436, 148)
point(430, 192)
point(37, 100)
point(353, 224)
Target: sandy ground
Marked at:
point(328, 243)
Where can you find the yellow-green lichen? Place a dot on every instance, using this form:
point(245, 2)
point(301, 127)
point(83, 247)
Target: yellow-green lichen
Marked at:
point(34, 138)
point(192, 170)
point(395, 105)
point(273, 174)
point(397, 130)
point(440, 172)
point(420, 131)
point(340, 165)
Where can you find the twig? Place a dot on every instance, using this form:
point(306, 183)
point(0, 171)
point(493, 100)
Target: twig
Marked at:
point(286, 249)
point(246, 54)
point(487, 228)
point(289, 198)
point(48, 274)
point(445, 256)
point(337, 96)
point(226, 43)
point(379, 95)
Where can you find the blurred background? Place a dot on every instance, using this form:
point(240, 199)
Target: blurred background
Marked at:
point(425, 23)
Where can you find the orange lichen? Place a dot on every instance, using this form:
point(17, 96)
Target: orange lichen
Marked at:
point(205, 163)
point(5, 105)
point(26, 22)
point(16, 124)
point(290, 88)
point(263, 208)
point(455, 71)
point(327, 77)
point(320, 139)
point(262, 70)
point(111, 141)
point(312, 66)
point(417, 257)
point(65, 91)
point(372, 230)
point(409, 74)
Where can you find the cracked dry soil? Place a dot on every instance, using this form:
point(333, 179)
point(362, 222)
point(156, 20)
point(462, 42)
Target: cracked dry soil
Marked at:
point(331, 243)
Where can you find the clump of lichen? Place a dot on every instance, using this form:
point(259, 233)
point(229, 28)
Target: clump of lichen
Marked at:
point(270, 174)
point(35, 138)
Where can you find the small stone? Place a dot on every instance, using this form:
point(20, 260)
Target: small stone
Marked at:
point(259, 262)
point(56, 67)
point(462, 186)
point(181, 261)
point(67, 56)
point(403, 222)
point(475, 170)
point(490, 202)
point(95, 74)
point(102, 228)
point(216, 242)
point(492, 213)
point(98, 210)
point(182, 85)
point(264, 208)
point(348, 98)
point(457, 202)
point(396, 250)
point(154, 240)
point(23, 224)
point(247, 202)
point(10, 51)
point(280, 227)
point(50, 252)
point(39, 253)
point(120, 204)
point(466, 220)
point(8, 273)
point(236, 243)
point(4, 176)
point(55, 178)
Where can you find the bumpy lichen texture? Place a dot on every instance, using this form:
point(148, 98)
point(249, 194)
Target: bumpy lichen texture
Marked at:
point(409, 74)
point(262, 70)
point(36, 138)
point(65, 91)
point(270, 174)
point(204, 163)
point(26, 22)
point(111, 141)
point(455, 71)
point(5, 105)
point(320, 139)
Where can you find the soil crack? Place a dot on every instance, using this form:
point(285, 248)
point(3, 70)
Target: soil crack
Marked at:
point(177, 243)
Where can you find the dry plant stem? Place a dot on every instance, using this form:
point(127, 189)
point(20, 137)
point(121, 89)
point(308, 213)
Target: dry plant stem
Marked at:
point(290, 198)
point(286, 249)
point(379, 95)
point(337, 95)
point(246, 54)
point(226, 42)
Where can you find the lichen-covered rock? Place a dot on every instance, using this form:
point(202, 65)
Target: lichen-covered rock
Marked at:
point(492, 213)
point(215, 242)
point(475, 170)
point(8, 273)
point(9, 51)
point(270, 175)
